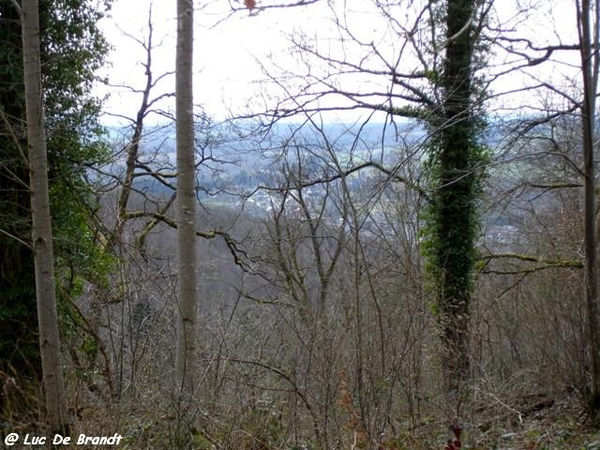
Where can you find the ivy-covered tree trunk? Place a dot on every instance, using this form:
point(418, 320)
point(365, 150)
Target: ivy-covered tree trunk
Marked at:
point(455, 162)
point(54, 388)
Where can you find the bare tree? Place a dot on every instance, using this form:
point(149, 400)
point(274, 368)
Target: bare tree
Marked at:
point(575, 105)
point(424, 67)
point(588, 20)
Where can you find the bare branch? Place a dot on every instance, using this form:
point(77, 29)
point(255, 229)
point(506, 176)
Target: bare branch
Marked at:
point(541, 263)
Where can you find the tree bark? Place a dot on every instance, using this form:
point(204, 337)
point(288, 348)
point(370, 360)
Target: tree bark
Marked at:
point(455, 201)
point(41, 226)
point(589, 70)
point(186, 198)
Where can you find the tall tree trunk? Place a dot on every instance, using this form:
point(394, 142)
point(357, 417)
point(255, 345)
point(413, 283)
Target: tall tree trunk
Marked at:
point(186, 197)
point(589, 65)
point(454, 220)
point(41, 227)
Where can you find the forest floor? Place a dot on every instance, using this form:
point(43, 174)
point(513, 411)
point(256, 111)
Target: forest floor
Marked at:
point(533, 422)
point(556, 421)
point(530, 421)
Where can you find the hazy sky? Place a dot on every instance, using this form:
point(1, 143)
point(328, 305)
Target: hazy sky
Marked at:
point(230, 48)
point(227, 48)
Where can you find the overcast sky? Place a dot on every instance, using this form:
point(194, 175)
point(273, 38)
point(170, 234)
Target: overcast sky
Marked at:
point(229, 48)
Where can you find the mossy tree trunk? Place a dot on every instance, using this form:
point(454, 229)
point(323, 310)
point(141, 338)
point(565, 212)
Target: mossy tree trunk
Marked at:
point(455, 164)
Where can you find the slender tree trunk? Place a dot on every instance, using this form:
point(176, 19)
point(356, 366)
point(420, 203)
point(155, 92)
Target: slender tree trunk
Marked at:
point(42, 229)
point(186, 197)
point(589, 66)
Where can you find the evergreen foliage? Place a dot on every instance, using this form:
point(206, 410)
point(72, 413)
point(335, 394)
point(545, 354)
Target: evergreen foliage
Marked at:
point(73, 48)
